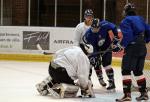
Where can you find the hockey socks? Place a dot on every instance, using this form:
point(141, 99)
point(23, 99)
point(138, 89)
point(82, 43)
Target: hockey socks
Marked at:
point(141, 81)
point(110, 75)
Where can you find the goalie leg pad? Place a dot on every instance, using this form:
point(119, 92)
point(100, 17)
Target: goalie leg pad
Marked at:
point(69, 90)
point(65, 90)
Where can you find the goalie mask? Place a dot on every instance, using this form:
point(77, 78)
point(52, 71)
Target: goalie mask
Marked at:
point(86, 48)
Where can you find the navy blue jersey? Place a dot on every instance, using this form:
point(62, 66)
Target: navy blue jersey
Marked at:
point(131, 27)
point(106, 26)
point(101, 36)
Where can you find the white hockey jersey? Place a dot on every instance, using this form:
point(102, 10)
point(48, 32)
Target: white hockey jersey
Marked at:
point(80, 30)
point(76, 63)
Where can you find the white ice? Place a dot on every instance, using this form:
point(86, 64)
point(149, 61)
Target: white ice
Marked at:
point(18, 79)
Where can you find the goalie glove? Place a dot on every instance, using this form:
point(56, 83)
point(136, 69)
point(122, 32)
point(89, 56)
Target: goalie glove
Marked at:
point(89, 91)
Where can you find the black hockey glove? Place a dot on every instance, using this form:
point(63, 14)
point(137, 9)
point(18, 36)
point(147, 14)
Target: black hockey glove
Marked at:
point(116, 46)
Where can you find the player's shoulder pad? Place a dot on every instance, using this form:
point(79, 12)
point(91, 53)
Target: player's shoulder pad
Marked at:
point(104, 23)
point(127, 19)
point(108, 25)
point(80, 25)
point(141, 18)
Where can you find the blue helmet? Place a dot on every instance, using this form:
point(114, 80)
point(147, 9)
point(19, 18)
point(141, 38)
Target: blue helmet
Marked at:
point(88, 12)
point(95, 23)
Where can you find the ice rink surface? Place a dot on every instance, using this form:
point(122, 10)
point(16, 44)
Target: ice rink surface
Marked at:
point(18, 79)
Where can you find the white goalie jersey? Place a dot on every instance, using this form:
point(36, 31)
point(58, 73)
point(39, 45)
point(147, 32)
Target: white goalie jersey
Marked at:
point(75, 62)
point(80, 30)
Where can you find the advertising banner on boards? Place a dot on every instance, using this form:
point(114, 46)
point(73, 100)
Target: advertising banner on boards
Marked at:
point(15, 39)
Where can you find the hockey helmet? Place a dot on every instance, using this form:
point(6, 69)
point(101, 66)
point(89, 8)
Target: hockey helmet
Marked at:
point(88, 12)
point(95, 23)
point(129, 9)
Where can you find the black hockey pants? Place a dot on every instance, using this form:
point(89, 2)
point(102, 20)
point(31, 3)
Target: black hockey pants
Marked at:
point(134, 57)
point(59, 74)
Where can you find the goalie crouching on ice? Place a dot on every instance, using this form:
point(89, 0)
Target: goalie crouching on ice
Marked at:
point(68, 72)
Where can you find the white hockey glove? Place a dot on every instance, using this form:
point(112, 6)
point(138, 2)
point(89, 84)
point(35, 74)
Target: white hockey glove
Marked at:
point(89, 91)
point(86, 92)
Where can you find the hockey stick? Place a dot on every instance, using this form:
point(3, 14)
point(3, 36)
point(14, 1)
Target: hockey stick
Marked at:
point(100, 52)
point(40, 48)
point(42, 51)
point(109, 49)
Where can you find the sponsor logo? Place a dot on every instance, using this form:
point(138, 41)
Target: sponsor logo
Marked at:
point(32, 38)
point(63, 42)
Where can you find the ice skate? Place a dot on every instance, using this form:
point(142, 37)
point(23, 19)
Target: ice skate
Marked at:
point(111, 87)
point(143, 96)
point(102, 83)
point(125, 98)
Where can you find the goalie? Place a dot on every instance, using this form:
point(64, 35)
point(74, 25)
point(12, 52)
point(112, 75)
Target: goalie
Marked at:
point(68, 72)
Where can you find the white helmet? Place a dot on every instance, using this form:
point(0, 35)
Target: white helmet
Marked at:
point(87, 48)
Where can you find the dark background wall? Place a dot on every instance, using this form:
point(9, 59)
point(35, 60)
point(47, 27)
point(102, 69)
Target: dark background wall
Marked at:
point(15, 12)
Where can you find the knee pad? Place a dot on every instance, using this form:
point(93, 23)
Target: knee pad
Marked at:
point(138, 73)
point(126, 72)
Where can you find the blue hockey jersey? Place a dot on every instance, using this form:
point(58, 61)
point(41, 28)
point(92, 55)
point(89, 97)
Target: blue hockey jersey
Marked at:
point(101, 36)
point(131, 27)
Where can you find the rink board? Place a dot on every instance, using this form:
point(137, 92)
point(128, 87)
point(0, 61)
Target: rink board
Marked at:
point(47, 58)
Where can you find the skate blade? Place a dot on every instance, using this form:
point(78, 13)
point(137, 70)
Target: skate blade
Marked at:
point(142, 100)
point(82, 96)
point(123, 101)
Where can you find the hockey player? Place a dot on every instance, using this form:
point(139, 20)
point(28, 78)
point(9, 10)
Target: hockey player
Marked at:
point(82, 27)
point(101, 35)
point(136, 33)
point(70, 66)
point(80, 30)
